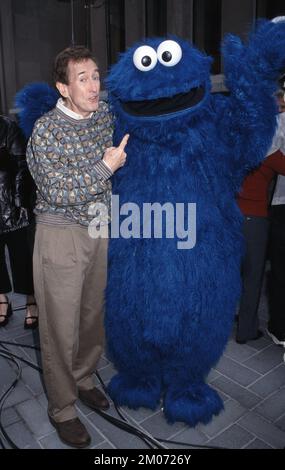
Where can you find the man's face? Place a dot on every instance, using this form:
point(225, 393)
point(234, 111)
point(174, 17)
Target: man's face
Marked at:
point(81, 95)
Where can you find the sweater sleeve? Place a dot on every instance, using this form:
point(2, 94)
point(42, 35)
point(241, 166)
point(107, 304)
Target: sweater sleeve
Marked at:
point(60, 181)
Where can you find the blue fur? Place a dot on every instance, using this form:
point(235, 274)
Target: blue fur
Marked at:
point(146, 392)
point(34, 100)
point(169, 312)
point(189, 404)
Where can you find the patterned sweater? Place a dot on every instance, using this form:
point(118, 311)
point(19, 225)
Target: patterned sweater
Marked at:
point(65, 159)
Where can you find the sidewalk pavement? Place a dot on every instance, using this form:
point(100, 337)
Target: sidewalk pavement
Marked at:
point(250, 379)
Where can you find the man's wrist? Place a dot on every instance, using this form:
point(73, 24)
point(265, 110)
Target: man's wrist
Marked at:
point(108, 166)
point(103, 170)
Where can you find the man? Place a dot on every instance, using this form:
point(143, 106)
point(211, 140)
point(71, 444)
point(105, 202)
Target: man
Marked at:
point(71, 159)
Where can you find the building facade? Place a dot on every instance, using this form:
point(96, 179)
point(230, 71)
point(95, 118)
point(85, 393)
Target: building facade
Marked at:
point(32, 32)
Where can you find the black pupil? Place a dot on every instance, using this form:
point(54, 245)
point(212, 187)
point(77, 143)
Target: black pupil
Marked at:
point(146, 61)
point(166, 56)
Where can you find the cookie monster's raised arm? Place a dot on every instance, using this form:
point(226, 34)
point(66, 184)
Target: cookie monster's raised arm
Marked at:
point(32, 101)
point(248, 116)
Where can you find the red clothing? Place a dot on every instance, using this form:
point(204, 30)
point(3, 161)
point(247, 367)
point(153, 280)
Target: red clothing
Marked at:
point(253, 197)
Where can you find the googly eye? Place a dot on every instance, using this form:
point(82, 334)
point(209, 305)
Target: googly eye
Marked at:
point(169, 53)
point(145, 58)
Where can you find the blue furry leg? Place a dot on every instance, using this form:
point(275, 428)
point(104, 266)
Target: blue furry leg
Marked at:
point(192, 404)
point(135, 392)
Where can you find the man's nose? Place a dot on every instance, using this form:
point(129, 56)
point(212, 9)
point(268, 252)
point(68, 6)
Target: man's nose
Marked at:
point(94, 85)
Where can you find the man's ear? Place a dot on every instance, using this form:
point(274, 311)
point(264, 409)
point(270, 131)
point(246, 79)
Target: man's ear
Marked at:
point(62, 88)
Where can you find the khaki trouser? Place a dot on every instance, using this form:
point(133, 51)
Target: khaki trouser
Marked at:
point(70, 279)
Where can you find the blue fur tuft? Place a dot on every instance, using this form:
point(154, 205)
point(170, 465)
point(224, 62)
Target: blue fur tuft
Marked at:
point(34, 100)
point(196, 404)
point(135, 393)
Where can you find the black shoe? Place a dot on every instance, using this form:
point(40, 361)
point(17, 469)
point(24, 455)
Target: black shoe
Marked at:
point(72, 432)
point(7, 315)
point(244, 341)
point(277, 339)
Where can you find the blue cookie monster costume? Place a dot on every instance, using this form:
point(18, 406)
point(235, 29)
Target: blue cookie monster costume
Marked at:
point(170, 306)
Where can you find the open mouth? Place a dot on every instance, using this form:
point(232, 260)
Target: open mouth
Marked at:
point(163, 106)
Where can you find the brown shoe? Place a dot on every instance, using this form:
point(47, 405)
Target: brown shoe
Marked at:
point(94, 399)
point(72, 432)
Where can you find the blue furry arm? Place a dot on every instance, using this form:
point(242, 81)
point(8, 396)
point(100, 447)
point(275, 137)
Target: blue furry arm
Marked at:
point(248, 116)
point(34, 100)
point(60, 181)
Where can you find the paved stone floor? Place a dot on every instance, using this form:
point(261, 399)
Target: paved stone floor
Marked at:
point(250, 378)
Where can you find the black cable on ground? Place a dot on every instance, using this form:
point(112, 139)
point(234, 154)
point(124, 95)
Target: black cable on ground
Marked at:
point(167, 441)
point(106, 391)
point(129, 428)
point(117, 408)
point(200, 446)
point(12, 356)
point(26, 361)
point(151, 441)
point(6, 354)
point(11, 343)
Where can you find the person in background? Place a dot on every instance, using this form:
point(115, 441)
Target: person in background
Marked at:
point(71, 158)
point(16, 204)
point(253, 201)
point(276, 324)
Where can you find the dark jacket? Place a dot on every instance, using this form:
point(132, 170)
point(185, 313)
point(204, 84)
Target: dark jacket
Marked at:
point(17, 189)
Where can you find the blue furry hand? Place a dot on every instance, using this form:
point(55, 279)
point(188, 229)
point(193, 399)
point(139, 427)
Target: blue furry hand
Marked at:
point(264, 54)
point(268, 41)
